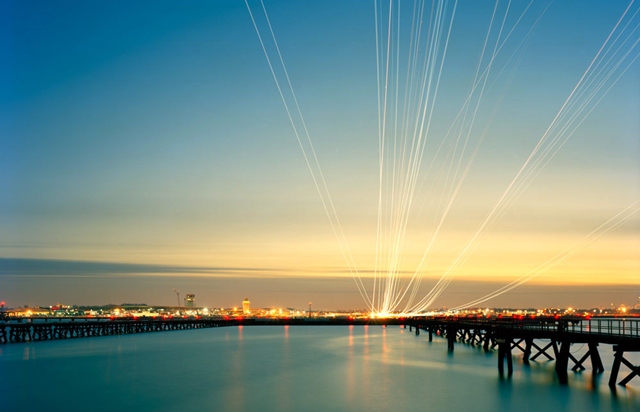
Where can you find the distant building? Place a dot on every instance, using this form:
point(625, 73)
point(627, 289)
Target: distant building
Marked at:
point(246, 306)
point(29, 312)
point(190, 300)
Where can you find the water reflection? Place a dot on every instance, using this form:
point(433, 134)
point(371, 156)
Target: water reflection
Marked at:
point(265, 368)
point(284, 361)
point(235, 393)
point(385, 349)
point(351, 369)
point(365, 374)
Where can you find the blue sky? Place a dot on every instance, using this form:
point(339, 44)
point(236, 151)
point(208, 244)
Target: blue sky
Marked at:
point(152, 133)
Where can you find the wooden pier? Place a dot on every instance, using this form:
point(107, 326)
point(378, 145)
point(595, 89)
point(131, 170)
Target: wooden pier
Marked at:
point(41, 329)
point(33, 330)
point(549, 337)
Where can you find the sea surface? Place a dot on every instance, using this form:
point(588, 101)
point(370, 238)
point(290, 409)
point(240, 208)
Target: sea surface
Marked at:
point(296, 368)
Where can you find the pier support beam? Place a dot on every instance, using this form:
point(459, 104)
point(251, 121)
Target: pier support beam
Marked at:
point(516, 344)
point(562, 362)
point(596, 362)
point(618, 360)
point(527, 350)
point(504, 351)
point(487, 341)
point(452, 331)
point(543, 351)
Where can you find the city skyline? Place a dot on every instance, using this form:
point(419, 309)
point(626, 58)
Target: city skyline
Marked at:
point(146, 147)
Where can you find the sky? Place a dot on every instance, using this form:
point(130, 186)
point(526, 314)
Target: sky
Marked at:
point(145, 146)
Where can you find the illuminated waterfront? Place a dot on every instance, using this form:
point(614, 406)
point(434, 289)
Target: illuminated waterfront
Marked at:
point(158, 311)
point(438, 154)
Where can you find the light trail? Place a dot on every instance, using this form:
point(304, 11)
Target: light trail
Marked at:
point(613, 223)
point(408, 79)
point(455, 187)
point(518, 185)
point(398, 215)
point(333, 217)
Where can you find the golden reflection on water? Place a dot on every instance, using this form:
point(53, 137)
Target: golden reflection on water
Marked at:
point(365, 373)
point(351, 369)
point(402, 353)
point(283, 391)
point(235, 395)
point(385, 348)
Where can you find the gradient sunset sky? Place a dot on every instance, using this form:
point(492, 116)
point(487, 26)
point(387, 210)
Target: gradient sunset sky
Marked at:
point(144, 146)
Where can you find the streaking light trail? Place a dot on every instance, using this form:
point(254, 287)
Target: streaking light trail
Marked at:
point(419, 163)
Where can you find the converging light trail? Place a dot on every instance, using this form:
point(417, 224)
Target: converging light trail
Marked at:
point(323, 190)
point(420, 164)
point(616, 221)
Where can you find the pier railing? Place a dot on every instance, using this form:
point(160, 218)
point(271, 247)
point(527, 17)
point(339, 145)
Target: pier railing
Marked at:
point(624, 328)
point(614, 327)
point(609, 327)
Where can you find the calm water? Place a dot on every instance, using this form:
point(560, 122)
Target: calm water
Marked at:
point(268, 368)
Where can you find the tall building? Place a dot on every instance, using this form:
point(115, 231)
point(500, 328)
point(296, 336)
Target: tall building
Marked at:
point(190, 300)
point(246, 306)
